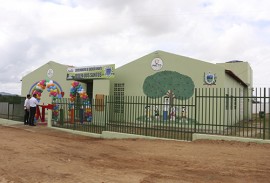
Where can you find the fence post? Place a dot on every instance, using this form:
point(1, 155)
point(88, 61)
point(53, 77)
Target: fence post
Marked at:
point(49, 120)
point(105, 127)
point(264, 110)
point(147, 112)
point(81, 114)
point(61, 111)
point(13, 107)
point(195, 115)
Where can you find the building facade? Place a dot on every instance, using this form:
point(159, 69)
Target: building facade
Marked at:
point(158, 75)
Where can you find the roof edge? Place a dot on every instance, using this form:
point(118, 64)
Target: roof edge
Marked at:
point(230, 73)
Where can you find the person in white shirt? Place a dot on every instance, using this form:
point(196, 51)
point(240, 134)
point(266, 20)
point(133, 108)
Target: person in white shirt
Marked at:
point(33, 102)
point(26, 110)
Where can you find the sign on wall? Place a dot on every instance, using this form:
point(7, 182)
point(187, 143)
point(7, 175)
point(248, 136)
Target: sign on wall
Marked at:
point(90, 72)
point(156, 64)
point(210, 79)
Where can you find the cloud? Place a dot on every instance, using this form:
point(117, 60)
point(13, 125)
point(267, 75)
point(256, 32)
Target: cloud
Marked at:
point(81, 33)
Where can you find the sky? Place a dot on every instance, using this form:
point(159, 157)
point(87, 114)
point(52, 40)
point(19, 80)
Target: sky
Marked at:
point(100, 32)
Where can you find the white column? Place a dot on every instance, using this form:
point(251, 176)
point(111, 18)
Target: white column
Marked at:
point(49, 123)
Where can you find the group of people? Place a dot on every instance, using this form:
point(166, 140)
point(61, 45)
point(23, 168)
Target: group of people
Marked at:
point(30, 106)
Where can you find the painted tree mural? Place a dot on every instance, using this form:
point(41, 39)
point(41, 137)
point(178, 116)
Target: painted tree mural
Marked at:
point(170, 84)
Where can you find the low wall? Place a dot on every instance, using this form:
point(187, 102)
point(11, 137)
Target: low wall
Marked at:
point(197, 136)
point(116, 135)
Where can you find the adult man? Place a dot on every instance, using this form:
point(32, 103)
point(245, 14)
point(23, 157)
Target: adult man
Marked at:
point(26, 110)
point(33, 102)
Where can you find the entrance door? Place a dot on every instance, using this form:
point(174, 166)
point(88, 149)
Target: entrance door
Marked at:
point(89, 89)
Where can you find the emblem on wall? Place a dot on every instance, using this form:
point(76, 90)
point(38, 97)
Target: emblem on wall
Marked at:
point(210, 79)
point(156, 64)
point(50, 73)
point(108, 71)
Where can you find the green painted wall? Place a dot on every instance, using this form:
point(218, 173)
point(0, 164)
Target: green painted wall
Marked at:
point(133, 76)
point(101, 86)
point(134, 73)
point(59, 75)
point(242, 70)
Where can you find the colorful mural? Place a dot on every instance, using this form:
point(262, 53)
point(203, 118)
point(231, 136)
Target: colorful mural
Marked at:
point(168, 83)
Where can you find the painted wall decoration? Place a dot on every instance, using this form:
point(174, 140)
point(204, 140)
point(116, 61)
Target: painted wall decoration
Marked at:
point(159, 112)
point(210, 79)
point(168, 83)
point(50, 73)
point(157, 64)
point(76, 88)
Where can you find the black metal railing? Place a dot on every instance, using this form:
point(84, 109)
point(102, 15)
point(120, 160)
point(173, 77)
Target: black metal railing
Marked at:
point(229, 112)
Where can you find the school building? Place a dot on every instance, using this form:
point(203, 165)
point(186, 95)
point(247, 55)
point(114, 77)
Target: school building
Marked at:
point(157, 75)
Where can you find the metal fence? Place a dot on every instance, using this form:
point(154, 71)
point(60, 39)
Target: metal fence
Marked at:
point(78, 115)
point(230, 112)
point(233, 112)
point(11, 107)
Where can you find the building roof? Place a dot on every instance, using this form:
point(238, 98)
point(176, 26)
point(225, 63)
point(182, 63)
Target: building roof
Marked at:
point(230, 73)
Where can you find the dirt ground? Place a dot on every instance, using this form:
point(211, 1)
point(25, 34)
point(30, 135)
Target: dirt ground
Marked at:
point(40, 155)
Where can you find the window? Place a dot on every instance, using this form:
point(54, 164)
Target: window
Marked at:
point(119, 89)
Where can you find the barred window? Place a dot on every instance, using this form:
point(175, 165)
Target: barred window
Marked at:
point(119, 89)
